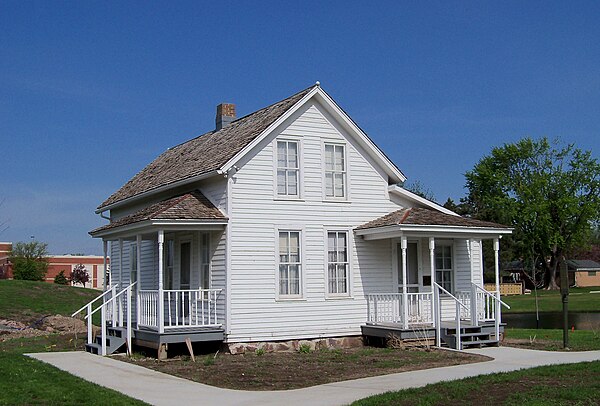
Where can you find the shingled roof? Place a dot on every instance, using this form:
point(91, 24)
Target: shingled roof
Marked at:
point(190, 206)
point(426, 217)
point(205, 153)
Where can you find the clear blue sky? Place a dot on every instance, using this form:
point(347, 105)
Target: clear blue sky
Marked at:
point(90, 92)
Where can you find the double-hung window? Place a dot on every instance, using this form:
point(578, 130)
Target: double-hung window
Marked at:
point(335, 171)
point(443, 266)
point(288, 169)
point(337, 263)
point(290, 263)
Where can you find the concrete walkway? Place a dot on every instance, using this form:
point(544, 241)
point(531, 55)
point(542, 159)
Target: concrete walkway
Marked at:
point(161, 389)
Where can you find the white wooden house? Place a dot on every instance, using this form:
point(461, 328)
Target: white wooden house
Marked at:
point(288, 223)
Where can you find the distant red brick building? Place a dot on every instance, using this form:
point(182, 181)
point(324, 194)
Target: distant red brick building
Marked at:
point(93, 264)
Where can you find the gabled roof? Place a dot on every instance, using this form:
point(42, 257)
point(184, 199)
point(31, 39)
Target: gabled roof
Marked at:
point(216, 151)
point(203, 154)
point(426, 217)
point(190, 206)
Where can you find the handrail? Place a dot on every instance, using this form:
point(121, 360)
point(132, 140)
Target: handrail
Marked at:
point(492, 296)
point(451, 295)
point(112, 298)
point(94, 300)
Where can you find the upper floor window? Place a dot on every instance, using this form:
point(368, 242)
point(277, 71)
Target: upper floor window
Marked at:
point(288, 168)
point(443, 266)
point(337, 262)
point(335, 171)
point(290, 263)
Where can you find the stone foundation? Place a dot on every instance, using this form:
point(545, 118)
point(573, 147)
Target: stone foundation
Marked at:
point(295, 345)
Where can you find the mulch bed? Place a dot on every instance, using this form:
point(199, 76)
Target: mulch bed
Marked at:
point(280, 371)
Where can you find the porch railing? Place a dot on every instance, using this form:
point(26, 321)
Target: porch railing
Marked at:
point(387, 308)
point(182, 308)
point(459, 309)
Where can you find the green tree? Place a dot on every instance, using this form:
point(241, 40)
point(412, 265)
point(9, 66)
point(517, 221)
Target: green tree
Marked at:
point(29, 260)
point(548, 192)
point(61, 278)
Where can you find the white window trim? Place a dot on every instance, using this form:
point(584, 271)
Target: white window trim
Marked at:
point(346, 197)
point(177, 260)
point(301, 295)
point(350, 278)
point(453, 259)
point(300, 195)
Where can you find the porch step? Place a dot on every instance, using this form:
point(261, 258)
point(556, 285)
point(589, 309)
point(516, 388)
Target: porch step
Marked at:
point(115, 339)
point(470, 336)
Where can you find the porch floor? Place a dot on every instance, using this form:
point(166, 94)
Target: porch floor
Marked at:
point(153, 339)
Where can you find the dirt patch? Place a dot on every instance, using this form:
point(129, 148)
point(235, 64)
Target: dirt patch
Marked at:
point(280, 371)
point(533, 344)
point(10, 329)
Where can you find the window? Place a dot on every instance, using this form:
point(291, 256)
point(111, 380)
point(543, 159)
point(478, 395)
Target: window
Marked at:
point(169, 260)
point(204, 261)
point(335, 171)
point(288, 168)
point(591, 273)
point(337, 262)
point(290, 263)
point(443, 266)
point(133, 264)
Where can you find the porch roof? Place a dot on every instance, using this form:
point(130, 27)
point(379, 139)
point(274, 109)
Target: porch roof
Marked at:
point(189, 208)
point(422, 220)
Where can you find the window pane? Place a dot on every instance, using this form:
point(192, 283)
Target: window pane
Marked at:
point(329, 160)
point(339, 184)
point(329, 184)
point(281, 154)
point(292, 179)
point(281, 182)
point(292, 155)
point(339, 158)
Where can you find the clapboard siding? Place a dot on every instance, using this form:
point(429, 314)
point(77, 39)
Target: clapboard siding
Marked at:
point(255, 217)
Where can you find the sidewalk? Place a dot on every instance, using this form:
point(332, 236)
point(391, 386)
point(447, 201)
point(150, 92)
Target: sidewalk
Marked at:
point(160, 389)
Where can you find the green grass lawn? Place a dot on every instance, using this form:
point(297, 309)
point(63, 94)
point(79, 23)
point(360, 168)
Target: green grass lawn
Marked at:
point(552, 340)
point(574, 384)
point(26, 381)
point(27, 301)
point(580, 300)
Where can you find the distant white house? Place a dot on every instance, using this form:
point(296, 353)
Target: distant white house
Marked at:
point(290, 223)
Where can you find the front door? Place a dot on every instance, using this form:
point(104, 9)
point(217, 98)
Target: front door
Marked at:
point(412, 267)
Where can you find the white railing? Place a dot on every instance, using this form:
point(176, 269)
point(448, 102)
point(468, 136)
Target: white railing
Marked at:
point(459, 307)
point(89, 309)
point(191, 308)
point(147, 308)
point(487, 307)
point(387, 308)
point(121, 302)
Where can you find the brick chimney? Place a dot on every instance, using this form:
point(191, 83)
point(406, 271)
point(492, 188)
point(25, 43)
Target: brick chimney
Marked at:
point(225, 115)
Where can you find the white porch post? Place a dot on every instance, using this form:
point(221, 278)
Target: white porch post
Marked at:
point(119, 302)
point(432, 267)
point(138, 278)
point(105, 252)
point(473, 298)
point(497, 275)
point(404, 289)
point(161, 303)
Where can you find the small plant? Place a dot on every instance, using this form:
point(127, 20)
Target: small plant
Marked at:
point(61, 279)
point(304, 349)
point(260, 352)
point(532, 340)
point(208, 361)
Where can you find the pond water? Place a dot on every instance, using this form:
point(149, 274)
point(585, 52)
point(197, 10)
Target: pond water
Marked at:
point(553, 320)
